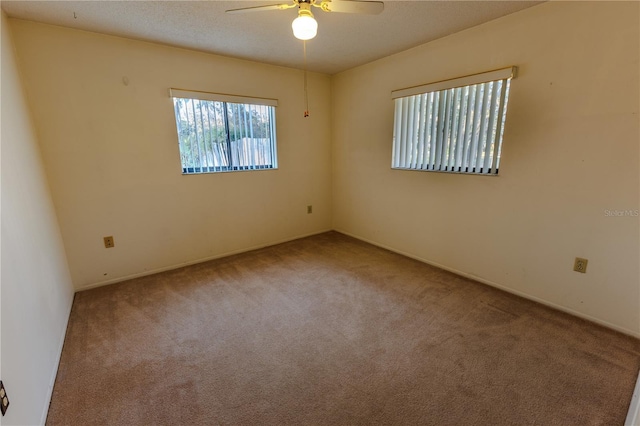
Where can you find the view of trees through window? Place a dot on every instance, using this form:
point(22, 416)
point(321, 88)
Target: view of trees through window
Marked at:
point(224, 136)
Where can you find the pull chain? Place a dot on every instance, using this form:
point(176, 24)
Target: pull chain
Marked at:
point(306, 94)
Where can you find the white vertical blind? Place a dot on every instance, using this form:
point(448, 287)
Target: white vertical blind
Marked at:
point(453, 129)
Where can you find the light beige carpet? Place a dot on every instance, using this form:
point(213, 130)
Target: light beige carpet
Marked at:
point(329, 330)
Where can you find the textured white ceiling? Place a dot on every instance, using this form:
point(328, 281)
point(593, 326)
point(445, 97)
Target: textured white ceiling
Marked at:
point(344, 40)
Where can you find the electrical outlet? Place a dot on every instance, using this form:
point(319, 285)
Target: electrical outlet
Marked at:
point(108, 242)
point(4, 400)
point(309, 209)
point(580, 265)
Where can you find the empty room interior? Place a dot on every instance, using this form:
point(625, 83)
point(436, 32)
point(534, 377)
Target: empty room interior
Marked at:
point(427, 213)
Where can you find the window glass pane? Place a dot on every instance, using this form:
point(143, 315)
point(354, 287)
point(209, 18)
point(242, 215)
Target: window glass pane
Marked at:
point(215, 136)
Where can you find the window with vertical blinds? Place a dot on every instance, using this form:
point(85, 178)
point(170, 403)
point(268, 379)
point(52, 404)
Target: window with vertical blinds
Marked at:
point(222, 133)
point(452, 126)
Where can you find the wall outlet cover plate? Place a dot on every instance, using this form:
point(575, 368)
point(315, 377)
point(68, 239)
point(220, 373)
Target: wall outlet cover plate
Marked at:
point(4, 400)
point(580, 265)
point(109, 242)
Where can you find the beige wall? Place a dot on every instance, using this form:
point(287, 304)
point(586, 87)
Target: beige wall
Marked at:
point(570, 153)
point(111, 153)
point(35, 290)
point(111, 159)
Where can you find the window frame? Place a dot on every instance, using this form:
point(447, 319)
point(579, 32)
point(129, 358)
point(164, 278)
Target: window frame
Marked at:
point(440, 117)
point(225, 99)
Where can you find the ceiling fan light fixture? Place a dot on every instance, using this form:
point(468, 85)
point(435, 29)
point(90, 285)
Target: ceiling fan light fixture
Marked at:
point(305, 27)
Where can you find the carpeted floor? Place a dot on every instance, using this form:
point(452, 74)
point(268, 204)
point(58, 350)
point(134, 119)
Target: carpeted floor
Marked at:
point(330, 330)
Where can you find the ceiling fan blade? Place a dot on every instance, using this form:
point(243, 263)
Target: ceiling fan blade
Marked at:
point(353, 6)
point(262, 8)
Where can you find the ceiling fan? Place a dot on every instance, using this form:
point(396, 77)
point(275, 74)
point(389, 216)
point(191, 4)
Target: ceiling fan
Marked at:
point(305, 26)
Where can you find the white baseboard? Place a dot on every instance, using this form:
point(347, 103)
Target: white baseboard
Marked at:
point(499, 286)
point(633, 416)
point(194, 262)
point(54, 373)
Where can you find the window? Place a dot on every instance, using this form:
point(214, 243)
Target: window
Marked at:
point(221, 133)
point(452, 126)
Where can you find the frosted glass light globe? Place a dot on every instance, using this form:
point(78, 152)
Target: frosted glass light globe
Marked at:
point(304, 27)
